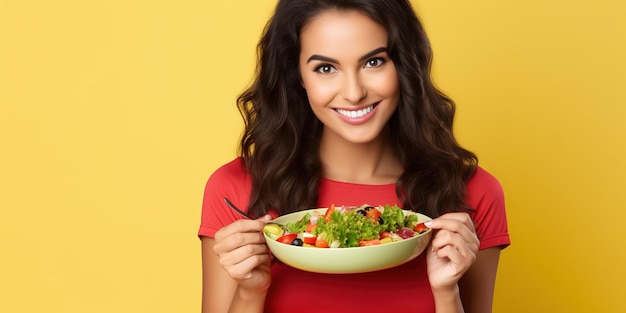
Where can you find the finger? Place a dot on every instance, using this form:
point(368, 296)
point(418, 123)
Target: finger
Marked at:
point(243, 269)
point(461, 217)
point(459, 259)
point(444, 238)
point(447, 238)
point(240, 226)
point(451, 221)
point(239, 254)
point(236, 240)
point(455, 226)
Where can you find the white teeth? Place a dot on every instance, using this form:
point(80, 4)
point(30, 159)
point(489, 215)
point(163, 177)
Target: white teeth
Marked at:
point(357, 113)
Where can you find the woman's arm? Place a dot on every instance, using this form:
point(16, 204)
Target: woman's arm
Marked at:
point(475, 290)
point(478, 284)
point(462, 277)
point(235, 269)
point(452, 252)
point(218, 289)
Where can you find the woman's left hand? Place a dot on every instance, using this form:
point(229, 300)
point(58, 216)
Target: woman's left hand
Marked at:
point(452, 249)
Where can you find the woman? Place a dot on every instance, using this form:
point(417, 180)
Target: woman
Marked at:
point(343, 111)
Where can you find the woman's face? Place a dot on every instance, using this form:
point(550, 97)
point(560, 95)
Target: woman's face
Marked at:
point(351, 82)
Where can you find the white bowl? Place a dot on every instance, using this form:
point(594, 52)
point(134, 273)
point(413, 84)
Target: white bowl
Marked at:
point(348, 260)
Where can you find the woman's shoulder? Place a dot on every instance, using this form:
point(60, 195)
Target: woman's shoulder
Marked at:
point(231, 173)
point(485, 197)
point(483, 183)
point(484, 193)
point(231, 169)
point(231, 181)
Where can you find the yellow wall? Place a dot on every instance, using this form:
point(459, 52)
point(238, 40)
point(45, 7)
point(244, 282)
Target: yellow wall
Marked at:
point(113, 114)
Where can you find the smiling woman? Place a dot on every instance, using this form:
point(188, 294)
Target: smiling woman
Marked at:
point(348, 76)
point(342, 111)
point(112, 112)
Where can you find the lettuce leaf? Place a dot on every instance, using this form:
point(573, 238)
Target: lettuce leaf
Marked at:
point(299, 226)
point(347, 228)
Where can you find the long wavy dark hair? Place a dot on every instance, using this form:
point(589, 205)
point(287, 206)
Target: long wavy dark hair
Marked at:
point(280, 143)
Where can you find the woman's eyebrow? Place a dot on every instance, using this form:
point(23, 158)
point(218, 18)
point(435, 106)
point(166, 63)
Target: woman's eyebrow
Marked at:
point(331, 60)
point(372, 53)
point(321, 58)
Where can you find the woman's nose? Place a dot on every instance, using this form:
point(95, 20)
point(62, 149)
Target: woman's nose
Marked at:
point(354, 90)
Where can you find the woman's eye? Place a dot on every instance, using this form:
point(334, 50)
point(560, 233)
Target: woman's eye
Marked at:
point(325, 69)
point(375, 62)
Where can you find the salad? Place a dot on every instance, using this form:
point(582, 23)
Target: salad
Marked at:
point(343, 227)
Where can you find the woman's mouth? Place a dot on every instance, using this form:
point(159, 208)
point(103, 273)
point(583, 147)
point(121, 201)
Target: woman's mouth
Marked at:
point(355, 117)
point(356, 113)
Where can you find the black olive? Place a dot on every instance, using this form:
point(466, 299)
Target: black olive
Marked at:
point(367, 208)
point(362, 212)
point(297, 242)
point(381, 220)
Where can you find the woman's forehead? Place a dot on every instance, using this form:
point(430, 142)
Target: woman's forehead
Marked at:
point(338, 33)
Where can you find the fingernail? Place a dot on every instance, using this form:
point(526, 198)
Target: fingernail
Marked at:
point(428, 224)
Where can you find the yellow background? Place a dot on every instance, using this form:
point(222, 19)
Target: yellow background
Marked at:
point(114, 113)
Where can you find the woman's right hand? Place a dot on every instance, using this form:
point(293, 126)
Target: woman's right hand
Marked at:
point(243, 253)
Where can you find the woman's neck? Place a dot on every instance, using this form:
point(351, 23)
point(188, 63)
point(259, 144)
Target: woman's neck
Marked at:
point(373, 163)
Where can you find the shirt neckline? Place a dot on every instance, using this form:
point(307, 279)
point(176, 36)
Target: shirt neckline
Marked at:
point(332, 181)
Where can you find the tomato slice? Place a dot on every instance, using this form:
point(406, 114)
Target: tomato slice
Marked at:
point(385, 234)
point(309, 238)
point(330, 210)
point(321, 243)
point(420, 228)
point(372, 242)
point(287, 239)
point(310, 227)
point(374, 214)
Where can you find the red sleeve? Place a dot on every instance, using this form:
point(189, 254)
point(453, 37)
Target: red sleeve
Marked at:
point(230, 181)
point(486, 197)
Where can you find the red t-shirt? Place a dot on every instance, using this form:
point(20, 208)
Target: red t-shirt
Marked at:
point(404, 288)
